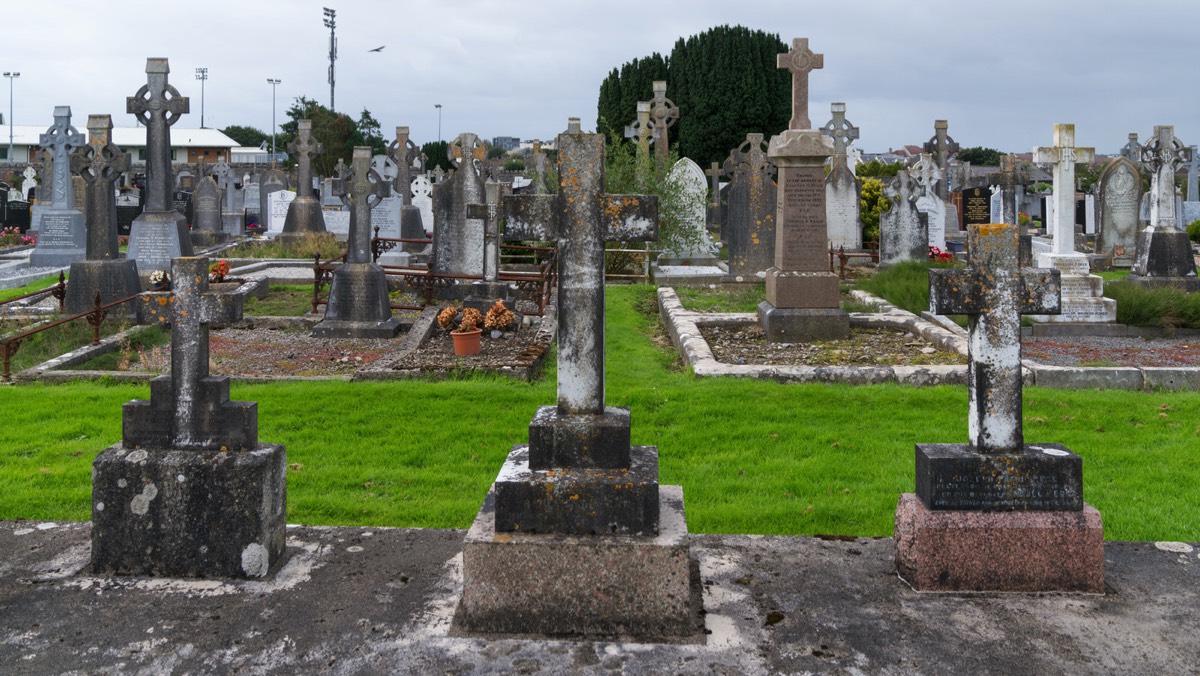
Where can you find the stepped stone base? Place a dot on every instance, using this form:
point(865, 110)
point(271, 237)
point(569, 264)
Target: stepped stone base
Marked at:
point(358, 305)
point(999, 551)
point(114, 279)
point(587, 585)
point(188, 513)
point(790, 325)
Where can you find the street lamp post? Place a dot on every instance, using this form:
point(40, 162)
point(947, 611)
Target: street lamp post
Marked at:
point(11, 76)
point(272, 81)
point(439, 107)
point(202, 75)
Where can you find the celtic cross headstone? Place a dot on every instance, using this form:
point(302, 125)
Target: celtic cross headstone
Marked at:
point(663, 116)
point(304, 214)
point(62, 235)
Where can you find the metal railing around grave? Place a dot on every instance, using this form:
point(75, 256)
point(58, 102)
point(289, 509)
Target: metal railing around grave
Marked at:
point(872, 252)
point(95, 318)
point(58, 291)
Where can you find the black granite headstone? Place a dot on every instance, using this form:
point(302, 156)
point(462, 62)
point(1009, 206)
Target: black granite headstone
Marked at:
point(976, 206)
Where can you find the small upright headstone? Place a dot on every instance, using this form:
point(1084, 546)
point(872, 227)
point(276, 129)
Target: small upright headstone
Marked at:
point(100, 164)
point(160, 233)
point(274, 179)
point(579, 505)
point(304, 213)
point(1083, 298)
point(713, 218)
point(977, 206)
point(687, 181)
point(488, 290)
point(231, 219)
point(749, 215)
point(279, 203)
point(62, 236)
point(358, 304)
point(841, 187)
point(189, 491)
point(405, 153)
point(803, 298)
point(942, 147)
point(206, 214)
point(29, 183)
point(1164, 253)
point(903, 233)
point(422, 199)
point(1120, 194)
point(1012, 187)
point(457, 229)
point(1191, 205)
point(996, 513)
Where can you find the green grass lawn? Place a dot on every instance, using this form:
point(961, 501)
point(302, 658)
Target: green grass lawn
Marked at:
point(9, 294)
point(752, 456)
point(284, 300)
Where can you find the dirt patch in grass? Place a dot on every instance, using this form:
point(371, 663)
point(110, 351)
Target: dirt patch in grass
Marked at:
point(865, 347)
point(1105, 351)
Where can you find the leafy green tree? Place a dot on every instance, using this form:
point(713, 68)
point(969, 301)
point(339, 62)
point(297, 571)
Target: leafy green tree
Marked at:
point(872, 204)
point(980, 156)
point(495, 153)
point(1087, 176)
point(337, 133)
point(370, 133)
point(251, 137)
point(724, 81)
point(877, 168)
point(436, 154)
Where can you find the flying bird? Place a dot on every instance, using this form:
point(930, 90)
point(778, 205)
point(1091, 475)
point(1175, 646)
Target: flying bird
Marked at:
point(377, 49)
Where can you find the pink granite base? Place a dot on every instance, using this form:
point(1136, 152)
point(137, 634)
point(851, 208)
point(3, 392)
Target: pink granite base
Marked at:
point(999, 551)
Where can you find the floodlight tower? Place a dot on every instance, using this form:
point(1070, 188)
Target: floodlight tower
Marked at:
point(331, 24)
point(202, 76)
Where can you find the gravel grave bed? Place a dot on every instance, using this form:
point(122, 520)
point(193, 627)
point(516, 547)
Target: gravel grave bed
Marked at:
point(1113, 351)
point(865, 347)
point(513, 349)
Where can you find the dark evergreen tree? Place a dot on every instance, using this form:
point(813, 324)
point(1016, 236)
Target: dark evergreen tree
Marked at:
point(980, 156)
point(725, 82)
point(436, 153)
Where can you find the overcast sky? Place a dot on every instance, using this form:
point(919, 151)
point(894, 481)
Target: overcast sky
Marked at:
point(1001, 73)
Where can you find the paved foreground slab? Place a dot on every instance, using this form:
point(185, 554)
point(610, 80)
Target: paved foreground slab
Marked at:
point(371, 600)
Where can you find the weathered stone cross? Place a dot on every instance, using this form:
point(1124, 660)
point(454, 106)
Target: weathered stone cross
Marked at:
point(581, 218)
point(994, 292)
point(157, 105)
point(1193, 167)
point(942, 147)
point(640, 129)
point(539, 169)
point(1162, 155)
point(304, 147)
point(491, 232)
point(926, 174)
point(840, 130)
point(61, 140)
point(100, 164)
point(226, 174)
point(663, 116)
point(189, 409)
point(362, 188)
point(714, 177)
point(800, 60)
point(1133, 149)
point(1063, 155)
point(748, 158)
point(403, 152)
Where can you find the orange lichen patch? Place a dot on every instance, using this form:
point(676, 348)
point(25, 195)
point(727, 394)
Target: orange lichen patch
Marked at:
point(162, 300)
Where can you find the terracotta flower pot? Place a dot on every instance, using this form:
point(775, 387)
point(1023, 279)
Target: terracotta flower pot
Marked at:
point(466, 342)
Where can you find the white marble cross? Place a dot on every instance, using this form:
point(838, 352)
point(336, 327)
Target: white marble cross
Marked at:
point(1063, 155)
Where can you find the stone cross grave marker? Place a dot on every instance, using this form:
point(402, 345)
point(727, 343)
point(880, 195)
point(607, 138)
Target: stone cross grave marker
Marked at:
point(28, 182)
point(926, 174)
point(901, 235)
point(61, 140)
point(663, 116)
point(158, 106)
point(841, 131)
point(581, 218)
point(189, 409)
point(231, 218)
point(942, 147)
point(363, 189)
point(100, 164)
point(304, 213)
point(994, 292)
point(1063, 155)
point(641, 129)
point(62, 235)
point(404, 152)
point(458, 238)
point(1193, 170)
point(1132, 149)
point(538, 160)
point(1162, 156)
point(800, 60)
point(714, 199)
point(1163, 249)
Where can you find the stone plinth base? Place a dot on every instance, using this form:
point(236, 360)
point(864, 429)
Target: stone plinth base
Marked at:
point(788, 325)
point(578, 501)
point(358, 304)
point(1083, 298)
point(1046, 477)
point(999, 551)
point(114, 279)
point(304, 216)
point(1163, 252)
point(62, 239)
point(233, 223)
point(803, 290)
point(208, 237)
point(688, 275)
point(590, 585)
point(483, 295)
point(579, 440)
point(1189, 284)
point(185, 513)
point(155, 238)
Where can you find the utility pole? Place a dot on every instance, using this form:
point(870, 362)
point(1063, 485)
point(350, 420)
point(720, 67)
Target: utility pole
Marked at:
point(202, 76)
point(272, 81)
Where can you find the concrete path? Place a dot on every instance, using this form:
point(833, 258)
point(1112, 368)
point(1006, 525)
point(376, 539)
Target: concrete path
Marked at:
point(372, 600)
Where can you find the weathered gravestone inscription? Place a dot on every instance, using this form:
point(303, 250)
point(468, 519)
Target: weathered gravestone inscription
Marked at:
point(749, 221)
point(358, 305)
point(458, 230)
point(997, 513)
point(160, 232)
point(100, 164)
point(625, 569)
point(189, 491)
point(903, 232)
point(1120, 194)
point(62, 235)
point(274, 179)
point(207, 228)
point(977, 206)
